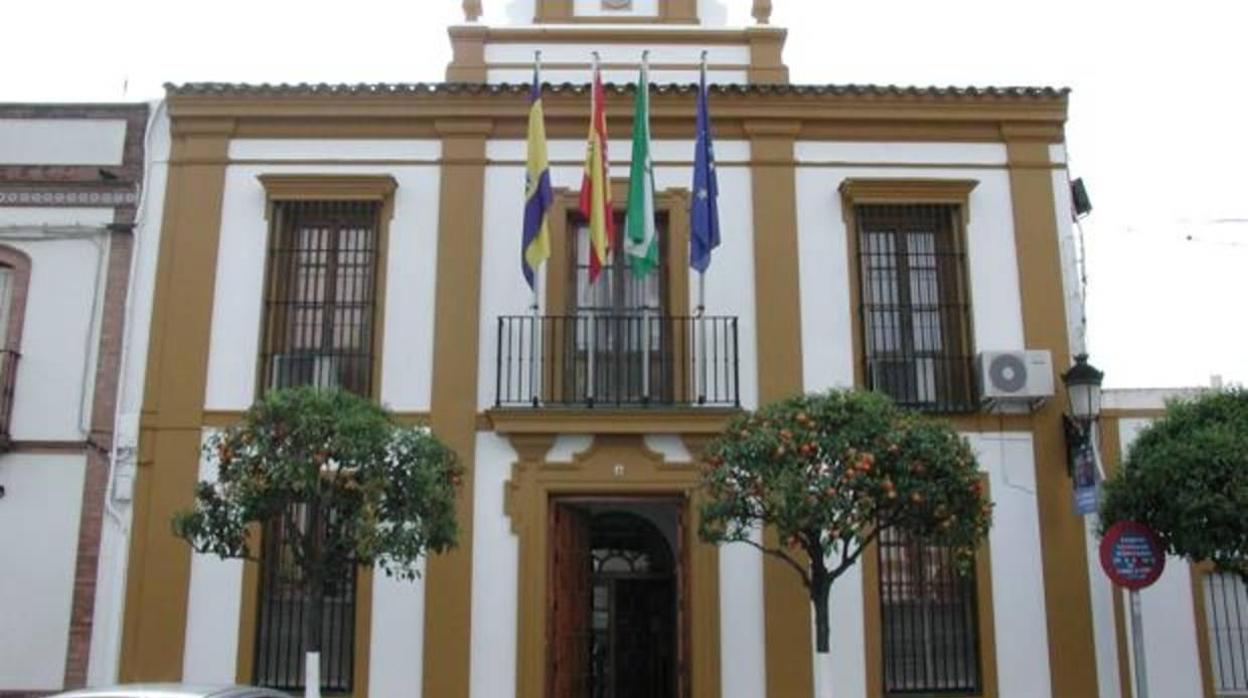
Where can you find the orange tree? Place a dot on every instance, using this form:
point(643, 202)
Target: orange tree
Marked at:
point(1186, 477)
point(334, 469)
point(830, 473)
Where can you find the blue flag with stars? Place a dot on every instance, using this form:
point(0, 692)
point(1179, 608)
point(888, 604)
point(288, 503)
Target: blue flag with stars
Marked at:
point(704, 212)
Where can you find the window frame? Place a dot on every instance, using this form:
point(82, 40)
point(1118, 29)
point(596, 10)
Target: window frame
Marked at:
point(558, 284)
point(321, 187)
point(985, 623)
point(855, 192)
point(1201, 577)
point(300, 188)
point(19, 265)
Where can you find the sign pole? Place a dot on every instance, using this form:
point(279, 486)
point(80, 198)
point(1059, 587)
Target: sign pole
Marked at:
point(1137, 643)
point(1133, 558)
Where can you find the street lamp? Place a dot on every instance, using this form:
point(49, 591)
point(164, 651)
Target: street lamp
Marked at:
point(1083, 392)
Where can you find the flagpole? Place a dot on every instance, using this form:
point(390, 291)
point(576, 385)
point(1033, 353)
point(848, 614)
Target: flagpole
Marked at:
point(702, 276)
point(589, 387)
point(537, 278)
point(645, 306)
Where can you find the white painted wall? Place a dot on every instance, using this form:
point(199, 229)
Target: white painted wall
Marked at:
point(1104, 630)
point(687, 54)
point(495, 575)
point(1169, 614)
point(44, 493)
point(734, 60)
point(1068, 247)
point(594, 8)
point(712, 13)
point(827, 362)
point(992, 268)
point(407, 354)
point(62, 141)
point(396, 648)
point(68, 250)
point(214, 601)
point(1018, 598)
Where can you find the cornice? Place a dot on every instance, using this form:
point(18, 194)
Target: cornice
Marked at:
point(502, 111)
point(607, 421)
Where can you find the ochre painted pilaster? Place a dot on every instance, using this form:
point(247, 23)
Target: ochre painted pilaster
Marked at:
point(1072, 652)
point(448, 594)
point(467, 54)
point(787, 624)
point(766, 55)
point(154, 625)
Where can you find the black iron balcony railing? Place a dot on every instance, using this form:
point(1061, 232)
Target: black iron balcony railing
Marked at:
point(617, 361)
point(8, 381)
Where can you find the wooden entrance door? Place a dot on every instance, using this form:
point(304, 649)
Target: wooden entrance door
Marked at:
point(569, 589)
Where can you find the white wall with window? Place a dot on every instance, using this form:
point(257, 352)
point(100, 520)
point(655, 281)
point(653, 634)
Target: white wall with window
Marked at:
point(50, 359)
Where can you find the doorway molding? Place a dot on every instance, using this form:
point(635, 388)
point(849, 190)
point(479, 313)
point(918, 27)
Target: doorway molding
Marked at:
point(614, 465)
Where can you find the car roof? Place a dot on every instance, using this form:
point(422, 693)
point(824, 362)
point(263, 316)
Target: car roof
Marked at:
point(172, 690)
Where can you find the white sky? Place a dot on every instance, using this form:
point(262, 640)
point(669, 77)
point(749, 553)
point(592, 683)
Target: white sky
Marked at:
point(1157, 122)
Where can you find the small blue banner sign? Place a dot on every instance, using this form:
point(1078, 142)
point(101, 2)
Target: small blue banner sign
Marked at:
point(1132, 555)
point(1087, 481)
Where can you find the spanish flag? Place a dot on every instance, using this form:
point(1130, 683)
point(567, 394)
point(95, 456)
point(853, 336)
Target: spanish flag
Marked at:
point(596, 185)
point(538, 195)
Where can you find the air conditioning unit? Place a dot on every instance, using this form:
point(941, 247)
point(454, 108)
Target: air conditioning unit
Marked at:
point(291, 370)
point(1015, 377)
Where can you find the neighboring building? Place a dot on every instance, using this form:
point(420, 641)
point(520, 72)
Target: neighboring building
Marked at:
point(71, 178)
point(1195, 619)
point(368, 236)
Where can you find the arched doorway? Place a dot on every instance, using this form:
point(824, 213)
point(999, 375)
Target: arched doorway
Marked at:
point(615, 601)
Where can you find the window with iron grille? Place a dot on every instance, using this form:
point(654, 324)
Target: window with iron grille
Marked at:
point(620, 317)
point(1226, 611)
point(285, 604)
point(929, 619)
point(914, 305)
point(321, 295)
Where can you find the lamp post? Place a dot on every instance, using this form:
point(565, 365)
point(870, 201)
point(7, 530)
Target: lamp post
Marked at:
point(1083, 390)
point(1083, 393)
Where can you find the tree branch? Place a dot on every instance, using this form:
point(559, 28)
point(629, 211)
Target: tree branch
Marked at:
point(782, 556)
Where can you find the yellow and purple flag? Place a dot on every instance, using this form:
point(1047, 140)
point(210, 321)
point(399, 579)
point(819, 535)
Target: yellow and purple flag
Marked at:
point(538, 195)
point(596, 203)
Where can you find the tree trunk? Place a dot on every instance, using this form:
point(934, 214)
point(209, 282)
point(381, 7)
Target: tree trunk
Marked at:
point(819, 587)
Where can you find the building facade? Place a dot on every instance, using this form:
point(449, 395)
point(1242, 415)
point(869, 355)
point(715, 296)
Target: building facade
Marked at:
point(368, 236)
point(71, 179)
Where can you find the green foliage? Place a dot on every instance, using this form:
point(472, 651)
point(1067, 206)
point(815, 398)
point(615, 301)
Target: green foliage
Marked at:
point(379, 493)
point(830, 472)
point(1186, 477)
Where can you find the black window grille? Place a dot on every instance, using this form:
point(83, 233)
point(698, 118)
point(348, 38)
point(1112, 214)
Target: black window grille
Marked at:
point(321, 295)
point(1226, 610)
point(613, 313)
point(285, 604)
point(914, 307)
point(930, 622)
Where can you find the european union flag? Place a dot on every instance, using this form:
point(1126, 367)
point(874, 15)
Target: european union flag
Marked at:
point(704, 212)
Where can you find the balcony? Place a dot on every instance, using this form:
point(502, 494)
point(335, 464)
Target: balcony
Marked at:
point(8, 381)
point(617, 362)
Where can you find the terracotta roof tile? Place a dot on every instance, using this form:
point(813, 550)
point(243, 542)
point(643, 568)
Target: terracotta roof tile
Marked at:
point(302, 89)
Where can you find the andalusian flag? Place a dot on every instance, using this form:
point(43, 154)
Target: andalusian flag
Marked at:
point(596, 186)
point(641, 242)
point(538, 195)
